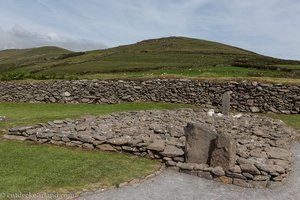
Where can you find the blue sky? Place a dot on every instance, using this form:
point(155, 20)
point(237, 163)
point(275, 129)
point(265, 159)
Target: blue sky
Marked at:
point(269, 27)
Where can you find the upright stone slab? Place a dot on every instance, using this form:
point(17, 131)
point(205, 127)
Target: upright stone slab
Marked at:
point(226, 103)
point(200, 141)
point(224, 154)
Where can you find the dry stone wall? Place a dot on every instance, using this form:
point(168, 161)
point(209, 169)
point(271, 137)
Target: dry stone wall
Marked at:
point(250, 151)
point(246, 96)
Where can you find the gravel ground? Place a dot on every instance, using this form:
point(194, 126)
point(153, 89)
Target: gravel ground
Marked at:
point(176, 186)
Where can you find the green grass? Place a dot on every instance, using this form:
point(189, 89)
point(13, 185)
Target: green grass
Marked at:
point(27, 167)
point(26, 113)
point(291, 120)
point(193, 72)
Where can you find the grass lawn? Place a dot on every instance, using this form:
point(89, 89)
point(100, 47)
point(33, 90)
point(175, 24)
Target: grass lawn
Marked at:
point(27, 167)
point(28, 113)
point(292, 120)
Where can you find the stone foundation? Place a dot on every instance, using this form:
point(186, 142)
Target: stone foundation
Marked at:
point(262, 156)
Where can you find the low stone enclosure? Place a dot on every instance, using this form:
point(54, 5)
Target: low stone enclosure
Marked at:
point(246, 96)
point(245, 150)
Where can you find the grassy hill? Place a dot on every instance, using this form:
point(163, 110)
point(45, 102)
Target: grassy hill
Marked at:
point(176, 56)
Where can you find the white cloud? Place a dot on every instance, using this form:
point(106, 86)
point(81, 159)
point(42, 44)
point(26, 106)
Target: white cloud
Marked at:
point(18, 37)
point(269, 27)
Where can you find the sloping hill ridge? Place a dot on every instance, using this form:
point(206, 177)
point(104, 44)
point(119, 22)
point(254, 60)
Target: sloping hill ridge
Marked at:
point(162, 53)
point(16, 58)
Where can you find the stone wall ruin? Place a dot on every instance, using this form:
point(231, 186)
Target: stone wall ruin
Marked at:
point(249, 151)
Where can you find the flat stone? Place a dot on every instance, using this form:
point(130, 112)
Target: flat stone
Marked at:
point(206, 175)
point(105, 147)
point(224, 154)
point(278, 153)
point(266, 167)
point(235, 169)
point(66, 94)
point(255, 109)
point(14, 137)
point(87, 146)
point(200, 142)
point(58, 121)
point(172, 151)
point(260, 178)
point(86, 139)
point(200, 166)
point(224, 179)
point(45, 135)
point(248, 175)
point(21, 128)
point(120, 141)
point(240, 182)
point(235, 175)
point(170, 163)
point(244, 161)
point(157, 145)
point(187, 166)
point(249, 168)
point(218, 171)
point(99, 137)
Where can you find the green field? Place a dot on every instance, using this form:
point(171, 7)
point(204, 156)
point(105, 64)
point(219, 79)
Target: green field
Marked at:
point(173, 56)
point(27, 167)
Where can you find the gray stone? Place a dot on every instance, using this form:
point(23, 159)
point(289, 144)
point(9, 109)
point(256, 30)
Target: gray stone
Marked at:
point(200, 142)
point(157, 145)
point(86, 139)
point(172, 151)
point(218, 171)
point(224, 154)
point(21, 128)
point(120, 141)
point(248, 175)
point(278, 153)
point(3, 118)
point(170, 163)
point(226, 103)
point(249, 168)
point(254, 109)
point(66, 94)
point(206, 175)
point(240, 182)
point(105, 147)
point(14, 137)
point(187, 166)
point(260, 178)
point(235, 175)
point(87, 146)
point(266, 167)
point(235, 169)
point(99, 137)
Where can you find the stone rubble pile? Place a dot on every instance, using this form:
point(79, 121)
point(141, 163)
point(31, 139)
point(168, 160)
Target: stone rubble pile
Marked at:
point(249, 150)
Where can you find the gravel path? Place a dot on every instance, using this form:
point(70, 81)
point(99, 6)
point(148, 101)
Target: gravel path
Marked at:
point(176, 186)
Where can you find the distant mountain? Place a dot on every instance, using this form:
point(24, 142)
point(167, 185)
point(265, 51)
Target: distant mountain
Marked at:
point(170, 52)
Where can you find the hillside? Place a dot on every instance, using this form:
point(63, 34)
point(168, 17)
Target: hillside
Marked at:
point(17, 58)
point(164, 55)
